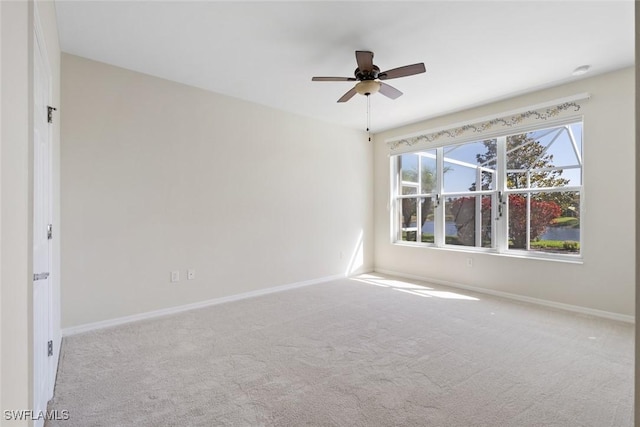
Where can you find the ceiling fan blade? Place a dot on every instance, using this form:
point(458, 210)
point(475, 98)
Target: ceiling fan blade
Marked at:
point(347, 96)
point(389, 91)
point(333, 79)
point(407, 70)
point(364, 58)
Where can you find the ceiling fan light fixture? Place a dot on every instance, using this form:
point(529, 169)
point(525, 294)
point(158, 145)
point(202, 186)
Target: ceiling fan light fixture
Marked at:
point(368, 87)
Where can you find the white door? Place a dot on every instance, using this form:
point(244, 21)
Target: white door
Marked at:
point(42, 216)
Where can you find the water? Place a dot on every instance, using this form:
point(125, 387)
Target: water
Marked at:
point(552, 233)
point(449, 228)
point(561, 233)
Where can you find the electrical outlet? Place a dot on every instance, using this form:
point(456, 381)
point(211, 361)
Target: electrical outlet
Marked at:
point(469, 262)
point(191, 274)
point(175, 276)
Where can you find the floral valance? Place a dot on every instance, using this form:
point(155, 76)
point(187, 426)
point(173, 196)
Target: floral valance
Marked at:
point(550, 111)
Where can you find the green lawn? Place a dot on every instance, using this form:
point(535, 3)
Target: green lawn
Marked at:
point(565, 245)
point(553, 245)
point(566, 221)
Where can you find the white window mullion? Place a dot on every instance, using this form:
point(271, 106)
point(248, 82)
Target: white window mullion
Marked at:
point(574, 145)
point(528, 244)
point(478, 217)
point(439, 218)
point(528, 223)
point(494, 222)
point(395, 227)
point(501, 222)
point(419, 200)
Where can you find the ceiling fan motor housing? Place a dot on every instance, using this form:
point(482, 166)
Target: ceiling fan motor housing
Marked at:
point(367, 74)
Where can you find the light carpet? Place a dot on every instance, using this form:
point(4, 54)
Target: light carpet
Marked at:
point(368, 351)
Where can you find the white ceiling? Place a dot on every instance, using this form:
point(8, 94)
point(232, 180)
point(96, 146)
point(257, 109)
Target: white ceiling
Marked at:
point(266, 52)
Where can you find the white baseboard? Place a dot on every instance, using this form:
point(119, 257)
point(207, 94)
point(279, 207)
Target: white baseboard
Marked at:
point(178, 309)
point(574, 308)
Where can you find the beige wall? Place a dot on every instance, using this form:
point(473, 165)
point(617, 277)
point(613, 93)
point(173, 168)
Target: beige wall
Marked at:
point(2, 367)
point(158, 176)
point(16, 172)
point(15, 203)
point(605, 280)
point(637, 193)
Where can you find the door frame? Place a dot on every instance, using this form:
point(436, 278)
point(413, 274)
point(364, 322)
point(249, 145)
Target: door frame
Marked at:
point(53, 301)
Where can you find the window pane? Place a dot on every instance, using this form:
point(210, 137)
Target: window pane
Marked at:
point(470, 167)
point(562, 233)
point(487, 214)
point(408, 167)
point(516, 180)
point(409, 219)
point(559, 145)
point(409, 190)
point(544, 210)
point(533, 215)
point(518, 221)
point(419, 168)
point(427, 171)
point(543, 178)
point(531, 155)
point(468, 221)
point(573, 175)
point(407, 208)
point(552, 220)
point(428, 219)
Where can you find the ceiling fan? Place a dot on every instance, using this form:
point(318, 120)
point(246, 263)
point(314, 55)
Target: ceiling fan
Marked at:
point(368, 77)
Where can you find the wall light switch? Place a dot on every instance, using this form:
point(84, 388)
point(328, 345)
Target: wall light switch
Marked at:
point(191, 274)
point(175, 276)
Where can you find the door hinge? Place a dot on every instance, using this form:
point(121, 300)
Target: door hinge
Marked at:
point(50, 348)
point(49, 232)
point(50, 111)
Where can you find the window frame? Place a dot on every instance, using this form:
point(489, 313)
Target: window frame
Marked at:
point(499, 195)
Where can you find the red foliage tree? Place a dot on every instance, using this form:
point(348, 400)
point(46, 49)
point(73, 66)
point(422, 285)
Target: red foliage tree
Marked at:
point(542, 213)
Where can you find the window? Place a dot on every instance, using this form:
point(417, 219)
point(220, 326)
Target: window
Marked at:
point(516, 193)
